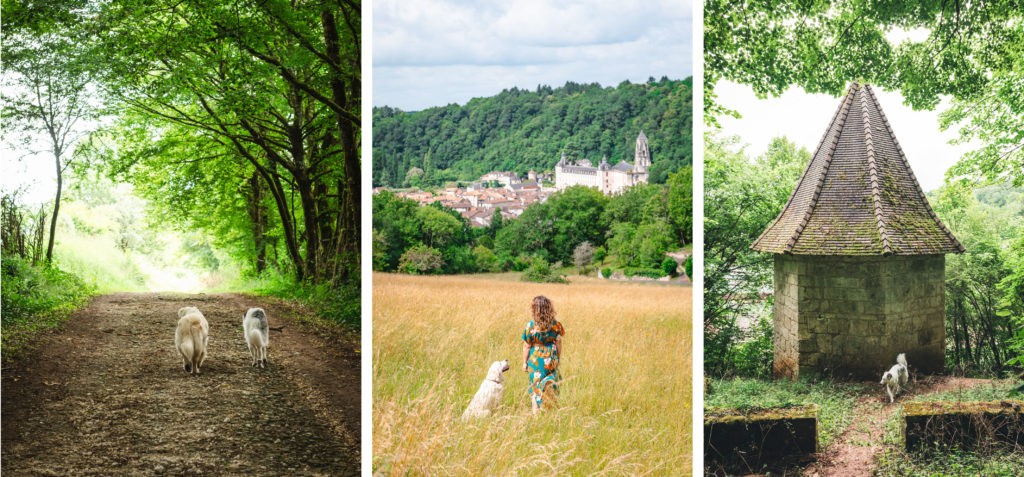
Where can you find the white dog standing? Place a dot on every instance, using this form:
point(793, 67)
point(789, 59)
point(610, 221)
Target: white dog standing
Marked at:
point(257, 335)
point(191, 337)
point(490, 392)
point(896, 377)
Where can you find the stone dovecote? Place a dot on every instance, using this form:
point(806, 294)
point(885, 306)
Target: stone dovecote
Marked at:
point(859, 255)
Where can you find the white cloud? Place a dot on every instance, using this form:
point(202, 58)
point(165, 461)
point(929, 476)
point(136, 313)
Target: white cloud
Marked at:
point(803, 117)
point(441, 51)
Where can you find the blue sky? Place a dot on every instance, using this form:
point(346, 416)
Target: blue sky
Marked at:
point(436, 52)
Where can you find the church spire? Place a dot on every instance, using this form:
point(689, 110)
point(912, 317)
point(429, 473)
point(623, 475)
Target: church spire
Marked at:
point(642, 156)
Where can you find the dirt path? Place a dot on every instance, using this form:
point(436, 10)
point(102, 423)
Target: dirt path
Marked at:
point(107, 396)
point(853, 452)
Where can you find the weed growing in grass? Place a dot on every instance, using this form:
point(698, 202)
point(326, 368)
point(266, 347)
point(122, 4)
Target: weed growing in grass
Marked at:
point(624, 403)
point(835, 399)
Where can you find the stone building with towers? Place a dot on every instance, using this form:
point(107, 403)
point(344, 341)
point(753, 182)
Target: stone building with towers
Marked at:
point(859, 256)
point(605, 177)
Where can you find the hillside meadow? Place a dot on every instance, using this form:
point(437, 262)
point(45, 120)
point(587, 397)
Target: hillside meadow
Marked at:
point(625, 402)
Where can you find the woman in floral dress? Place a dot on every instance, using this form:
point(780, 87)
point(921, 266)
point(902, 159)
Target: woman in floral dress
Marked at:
point(542, 346)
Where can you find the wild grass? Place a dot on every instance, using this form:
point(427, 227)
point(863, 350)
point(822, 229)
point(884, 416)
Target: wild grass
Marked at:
point(332, 309)
point(95, 259)
point(35, 299)
point(991, 391)
point(835, 399)
point(950, 462)
point(625, 402)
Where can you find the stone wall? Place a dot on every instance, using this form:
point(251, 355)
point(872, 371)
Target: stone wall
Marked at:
point(851, 316)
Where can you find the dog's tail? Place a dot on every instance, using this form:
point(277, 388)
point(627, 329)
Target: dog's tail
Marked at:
point(187, 347)
point(195, 329)
point(256, 336)
point(902, 359)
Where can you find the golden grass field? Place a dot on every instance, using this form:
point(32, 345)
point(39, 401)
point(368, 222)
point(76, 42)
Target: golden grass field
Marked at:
point(625, 405)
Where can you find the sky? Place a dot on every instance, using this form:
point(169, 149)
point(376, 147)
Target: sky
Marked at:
point(803, 118)
point(437, 52)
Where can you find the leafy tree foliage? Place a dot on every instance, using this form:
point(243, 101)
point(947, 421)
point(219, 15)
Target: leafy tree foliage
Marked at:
point(741, 197)
point(401, 224)
point(984, 315)
point(577, 225)
point(520, 130)
point(540, 271)
point(972, 52)
point(259, 96)
point(44, 96)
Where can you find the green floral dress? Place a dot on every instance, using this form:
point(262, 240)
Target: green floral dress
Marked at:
point(543, 358)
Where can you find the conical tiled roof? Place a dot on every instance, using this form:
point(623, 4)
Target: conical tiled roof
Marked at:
point(858, 195)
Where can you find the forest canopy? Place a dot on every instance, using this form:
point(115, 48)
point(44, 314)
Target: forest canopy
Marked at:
point(237, 122)
point(519, 130)
point(972, 53)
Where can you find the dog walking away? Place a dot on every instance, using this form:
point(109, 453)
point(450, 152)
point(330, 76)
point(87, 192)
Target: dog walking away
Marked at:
point(896, 377)
point(257, 335)
point(490, 392)
point(191, 337)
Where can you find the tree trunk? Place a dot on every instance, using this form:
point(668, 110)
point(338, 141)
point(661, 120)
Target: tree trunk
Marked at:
point(309, 213)
point(56, 207)
point(350, 207)
point(287, 220)
point(258, 215)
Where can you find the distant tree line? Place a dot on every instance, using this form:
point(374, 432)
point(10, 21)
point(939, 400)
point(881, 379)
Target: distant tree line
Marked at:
point(579, 226)
point(519, 130)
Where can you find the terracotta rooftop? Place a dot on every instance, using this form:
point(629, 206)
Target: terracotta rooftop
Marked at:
point(858, 195)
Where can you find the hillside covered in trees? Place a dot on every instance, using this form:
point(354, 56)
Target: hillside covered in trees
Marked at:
point(518, 130)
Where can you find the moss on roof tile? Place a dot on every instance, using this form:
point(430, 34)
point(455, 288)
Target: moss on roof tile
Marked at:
point(869, 201)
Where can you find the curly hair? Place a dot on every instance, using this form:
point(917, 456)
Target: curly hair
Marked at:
point(543, 313)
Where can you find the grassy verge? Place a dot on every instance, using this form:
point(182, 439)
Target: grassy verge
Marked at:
point(835, 399)
point(35, 300)
point(333, 310)
point(991, 460)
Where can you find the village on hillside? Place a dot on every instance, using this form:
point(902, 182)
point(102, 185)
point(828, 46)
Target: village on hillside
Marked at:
point(507, 192)
point(496, 191)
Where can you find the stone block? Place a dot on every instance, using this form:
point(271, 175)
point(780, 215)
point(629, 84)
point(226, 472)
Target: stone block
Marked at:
point(737, 441)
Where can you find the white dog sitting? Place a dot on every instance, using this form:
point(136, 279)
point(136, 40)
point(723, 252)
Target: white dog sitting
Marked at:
point(257, 335)
point(896, 377)
point(191, 337)
point(490, 392)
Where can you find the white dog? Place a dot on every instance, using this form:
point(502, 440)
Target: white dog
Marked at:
point(257, 335)
point(191, 337)
point(490, 392)
point(896, 377)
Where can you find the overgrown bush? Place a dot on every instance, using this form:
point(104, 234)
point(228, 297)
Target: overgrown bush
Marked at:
point(606, 272)
point(35, 299)
point(485, 259)
point(420, 260)
point(689, 267)
point(669, 266)
point(754, 356)
point(540, 271)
